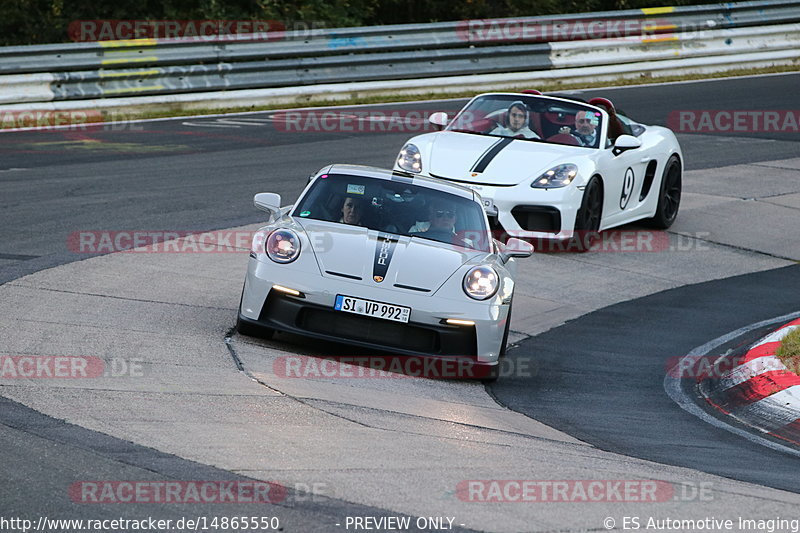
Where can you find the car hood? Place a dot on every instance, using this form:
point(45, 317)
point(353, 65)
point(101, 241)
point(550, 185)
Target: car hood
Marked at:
point(349, 252)
point(491, 160)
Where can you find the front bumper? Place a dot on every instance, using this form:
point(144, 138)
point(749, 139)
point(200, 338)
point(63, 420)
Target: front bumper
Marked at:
point(528, 213)
point(424, 334)
point(295, 315)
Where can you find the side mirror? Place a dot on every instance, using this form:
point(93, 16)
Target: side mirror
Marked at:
point(269, 202)
point(515, 248)
point(625, 143)
point(438, 119)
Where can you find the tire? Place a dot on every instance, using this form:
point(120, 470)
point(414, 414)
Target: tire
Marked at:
point(494, 373)
point(669, 195)
point(589, 216)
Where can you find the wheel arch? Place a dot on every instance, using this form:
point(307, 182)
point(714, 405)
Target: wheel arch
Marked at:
point(602, 184)
point(677, 155)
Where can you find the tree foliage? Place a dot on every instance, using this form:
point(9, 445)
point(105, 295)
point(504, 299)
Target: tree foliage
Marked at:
point(47, 21)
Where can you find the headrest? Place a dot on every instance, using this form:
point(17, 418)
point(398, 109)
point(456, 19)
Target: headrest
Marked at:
point(604, 102)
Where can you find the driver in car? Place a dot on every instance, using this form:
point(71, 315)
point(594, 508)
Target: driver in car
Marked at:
point(441, 226)
point(585, 128)
point(516, 120)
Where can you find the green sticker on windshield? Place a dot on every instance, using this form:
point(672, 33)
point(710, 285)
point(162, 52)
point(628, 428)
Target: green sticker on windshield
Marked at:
point(305, 213)
point(355, 189)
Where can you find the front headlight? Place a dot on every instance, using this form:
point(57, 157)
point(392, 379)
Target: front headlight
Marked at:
point(559, 176)
point(410, 158)
point(481, 282)
point(282, 246)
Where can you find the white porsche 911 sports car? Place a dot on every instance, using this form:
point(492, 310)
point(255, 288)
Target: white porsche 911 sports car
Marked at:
point(383, 260)
point(548, 166)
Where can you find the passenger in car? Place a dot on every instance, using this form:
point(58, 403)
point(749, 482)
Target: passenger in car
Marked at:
point(516, 123)
point(352, 211)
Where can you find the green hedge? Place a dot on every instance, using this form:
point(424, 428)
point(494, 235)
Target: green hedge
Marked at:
point(47, 21)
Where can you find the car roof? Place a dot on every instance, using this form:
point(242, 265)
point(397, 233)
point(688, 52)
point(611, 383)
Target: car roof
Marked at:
point(396, 175)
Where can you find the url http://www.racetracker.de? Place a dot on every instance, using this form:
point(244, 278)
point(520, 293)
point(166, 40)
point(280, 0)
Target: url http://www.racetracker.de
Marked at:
point(200, 523)
point(44, 524)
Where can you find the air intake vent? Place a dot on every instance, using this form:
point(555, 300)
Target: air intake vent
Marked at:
point(409, 287)
point(348, 276)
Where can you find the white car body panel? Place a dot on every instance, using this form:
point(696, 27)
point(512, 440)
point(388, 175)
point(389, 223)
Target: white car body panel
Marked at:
point(351, 250)
point(505, 183)
point(429, 274)
point(447, 150)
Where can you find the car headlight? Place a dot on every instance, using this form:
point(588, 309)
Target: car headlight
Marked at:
point(559, 176)
point(282, 246)
point(410, 158)
point(481, 282)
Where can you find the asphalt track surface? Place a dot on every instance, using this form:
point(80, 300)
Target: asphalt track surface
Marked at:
point(600, 378)
point(201, 174)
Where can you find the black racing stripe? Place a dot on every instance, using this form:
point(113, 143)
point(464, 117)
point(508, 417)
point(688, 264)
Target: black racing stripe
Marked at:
point(484, 155)
point(490, 154)
point(384, 250)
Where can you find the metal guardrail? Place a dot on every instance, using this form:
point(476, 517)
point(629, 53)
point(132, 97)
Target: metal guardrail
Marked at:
point(77, 71)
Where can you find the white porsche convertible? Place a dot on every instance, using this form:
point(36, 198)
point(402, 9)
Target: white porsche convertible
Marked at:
point(548, 167)
point(386, 261)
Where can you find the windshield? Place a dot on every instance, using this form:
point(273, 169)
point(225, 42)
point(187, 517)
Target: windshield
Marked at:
point(396, 207)
point(531, 118)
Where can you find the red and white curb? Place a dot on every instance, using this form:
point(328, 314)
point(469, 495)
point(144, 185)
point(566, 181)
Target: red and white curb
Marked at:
point(754, 391)
point(758, 390)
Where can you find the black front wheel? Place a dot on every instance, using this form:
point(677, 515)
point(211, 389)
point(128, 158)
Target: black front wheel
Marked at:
point(589, 216)
point(669, 197)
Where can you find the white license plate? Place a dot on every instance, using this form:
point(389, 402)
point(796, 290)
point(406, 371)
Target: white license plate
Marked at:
point(359, 306)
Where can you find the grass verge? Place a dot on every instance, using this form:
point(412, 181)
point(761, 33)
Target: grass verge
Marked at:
point(789, 351)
